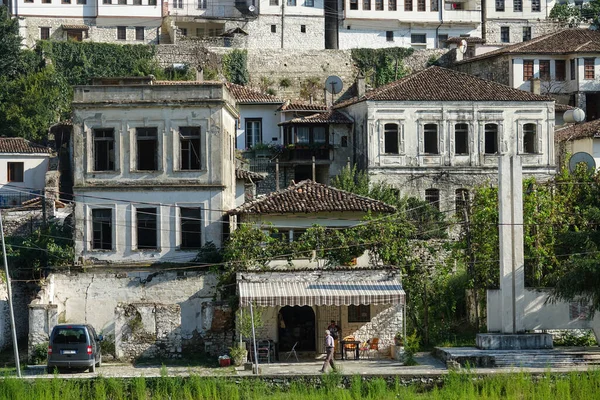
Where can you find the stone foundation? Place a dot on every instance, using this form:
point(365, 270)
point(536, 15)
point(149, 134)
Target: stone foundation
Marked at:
point(497, 341)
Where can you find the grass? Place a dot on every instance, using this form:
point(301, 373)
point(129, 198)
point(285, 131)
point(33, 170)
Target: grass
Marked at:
point(459, 386)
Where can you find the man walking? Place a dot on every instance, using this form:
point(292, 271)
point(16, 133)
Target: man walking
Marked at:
point(329, 347)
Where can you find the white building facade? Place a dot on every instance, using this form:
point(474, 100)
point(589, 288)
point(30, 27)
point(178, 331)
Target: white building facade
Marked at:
point(154, 170)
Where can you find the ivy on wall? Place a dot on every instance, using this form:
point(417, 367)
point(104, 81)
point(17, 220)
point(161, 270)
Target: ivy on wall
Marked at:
point(381, 66)
point(235, 66)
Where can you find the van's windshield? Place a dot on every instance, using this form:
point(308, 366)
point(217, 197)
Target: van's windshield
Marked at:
point(69, 335)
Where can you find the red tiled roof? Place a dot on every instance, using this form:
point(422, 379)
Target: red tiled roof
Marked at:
point(589, 129)
point(329, 117)
point(303, 107)
point(558, 107)
point(566, 41)
point(20, 145)
point(246, 95)
point(311, 197)
point(441, 84)
point(248, 175)
point(469, 40)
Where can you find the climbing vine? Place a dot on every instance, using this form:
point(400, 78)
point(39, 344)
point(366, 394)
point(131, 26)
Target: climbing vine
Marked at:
point(235, 66)
point(381, 66)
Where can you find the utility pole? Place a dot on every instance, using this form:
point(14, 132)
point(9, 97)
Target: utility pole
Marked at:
point(10, 304)
point(471, 267)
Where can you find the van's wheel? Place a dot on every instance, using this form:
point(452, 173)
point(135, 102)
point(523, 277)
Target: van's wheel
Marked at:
point(93, 368)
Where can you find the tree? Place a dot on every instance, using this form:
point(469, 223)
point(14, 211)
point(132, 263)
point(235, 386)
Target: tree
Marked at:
point(235, 66)
point(10, 45)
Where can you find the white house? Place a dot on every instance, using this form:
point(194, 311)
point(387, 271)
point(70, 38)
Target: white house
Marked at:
point(23, 167)
point(438, 132)
point(567, 62)
point(154, 169)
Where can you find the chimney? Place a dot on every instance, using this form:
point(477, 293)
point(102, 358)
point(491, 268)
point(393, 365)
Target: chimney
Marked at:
point(360, 85)
point(536, 86)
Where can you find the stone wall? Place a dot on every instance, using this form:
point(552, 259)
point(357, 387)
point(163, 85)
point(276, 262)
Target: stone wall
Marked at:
point(496, 69)
point(147, 330)
point(4, 315)
point(515, 28)
point(22, 295)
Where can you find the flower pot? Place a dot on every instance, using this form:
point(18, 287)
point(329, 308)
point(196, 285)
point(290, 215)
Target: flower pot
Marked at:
point(224, 362)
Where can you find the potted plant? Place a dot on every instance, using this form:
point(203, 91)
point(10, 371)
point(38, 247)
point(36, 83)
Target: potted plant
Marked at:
point(399, 339)
point(239, 354)
point(261, 150)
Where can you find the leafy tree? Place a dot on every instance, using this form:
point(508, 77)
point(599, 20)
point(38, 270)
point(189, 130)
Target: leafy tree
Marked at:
point(235, 66)
point(10, 45)
point(381, 66)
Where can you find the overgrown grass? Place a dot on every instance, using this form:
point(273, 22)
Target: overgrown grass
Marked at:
point(459, 386)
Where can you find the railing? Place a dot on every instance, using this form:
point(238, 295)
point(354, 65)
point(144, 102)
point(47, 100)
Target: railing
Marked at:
point(13, 198)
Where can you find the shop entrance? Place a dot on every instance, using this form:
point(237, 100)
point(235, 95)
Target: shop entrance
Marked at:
point(297, 324)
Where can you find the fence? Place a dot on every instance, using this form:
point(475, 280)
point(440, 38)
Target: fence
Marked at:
point(13, 198)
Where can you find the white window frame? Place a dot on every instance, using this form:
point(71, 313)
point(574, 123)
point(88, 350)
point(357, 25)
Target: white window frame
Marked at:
point(89, 227)
point(203, 223)
point(134, 227)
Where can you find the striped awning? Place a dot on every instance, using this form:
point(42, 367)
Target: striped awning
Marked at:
point(278, 293)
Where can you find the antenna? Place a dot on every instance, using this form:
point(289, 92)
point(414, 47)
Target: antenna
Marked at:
point(462, 47)
point(251, 8)
point(582, 157)
point(334, 85)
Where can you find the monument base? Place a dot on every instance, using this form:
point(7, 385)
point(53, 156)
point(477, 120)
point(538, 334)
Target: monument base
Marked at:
point(519, 341)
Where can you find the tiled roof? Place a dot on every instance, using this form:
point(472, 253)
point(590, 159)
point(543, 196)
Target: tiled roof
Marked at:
point(329, 117)
point(246, 95)
point(75, 27)
point(558, 107)
point(469, 40)
point(248, 175)
point(20, 145)
point(566, 41)
point(441, 84)
point(311, 197)
point(589, 129)
point(303, 107)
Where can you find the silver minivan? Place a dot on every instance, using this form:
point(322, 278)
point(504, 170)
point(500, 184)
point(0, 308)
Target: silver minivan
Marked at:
point(74, 346)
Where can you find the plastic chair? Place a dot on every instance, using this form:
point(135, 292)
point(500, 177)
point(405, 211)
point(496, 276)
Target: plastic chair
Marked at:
point(263, 350)
point(293, 351)
point(364, 349)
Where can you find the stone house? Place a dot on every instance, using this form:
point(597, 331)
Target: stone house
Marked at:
point(567, 62)
point(112, 21)
point(302, 296)
point(575, 138)
point(436, 133)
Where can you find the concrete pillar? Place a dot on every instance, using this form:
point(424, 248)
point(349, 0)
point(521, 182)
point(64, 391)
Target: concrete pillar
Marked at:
point(512, 273)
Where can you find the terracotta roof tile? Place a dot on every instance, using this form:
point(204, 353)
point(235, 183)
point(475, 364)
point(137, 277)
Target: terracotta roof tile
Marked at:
point(469, 40)
point(558, 107)
point(589, 129)
point(441, 84)
point(311, 197)
point(248, 175)
point(20, 145)
point(299, 106)
point(329, 117)
point(246, 95)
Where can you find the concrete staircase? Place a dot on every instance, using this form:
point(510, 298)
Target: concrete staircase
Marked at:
point(561, 357)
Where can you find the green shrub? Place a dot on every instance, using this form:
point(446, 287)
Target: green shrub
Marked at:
point(40, 353)
point(411, 347)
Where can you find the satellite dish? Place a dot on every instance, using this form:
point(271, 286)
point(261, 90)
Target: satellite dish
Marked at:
point(462, 47)
point(576, 115)
point(333, 84)
point(582, 157)
point(251, 8)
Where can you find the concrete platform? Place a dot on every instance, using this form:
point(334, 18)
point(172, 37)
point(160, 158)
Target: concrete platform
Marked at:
point(521, 341)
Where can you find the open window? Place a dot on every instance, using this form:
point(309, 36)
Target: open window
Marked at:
point(102, 229)
point(430, 139)
point(432, 196)
point(491, 138)
point(104, 149)
point(529, 138)
point(189, 139)
point(147, 149)
point(391, 139)
point(461, 139)
point(147, 228)
point(461, 200)
point(191, 227)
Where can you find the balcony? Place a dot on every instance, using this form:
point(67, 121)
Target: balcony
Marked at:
point(290, 153)
point(470, 16)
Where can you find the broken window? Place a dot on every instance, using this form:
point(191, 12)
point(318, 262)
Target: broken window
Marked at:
point(15, 171)
point(102, 229)
point(430, 138)
point(461, 139)
point(461, 200)
point(191, 228)
point(391, 139)
point(529, 138)
point(432, 196)
point(104, 149)
point(189, 138)
point(147, 149)
point(146, 228)
point(491, 138)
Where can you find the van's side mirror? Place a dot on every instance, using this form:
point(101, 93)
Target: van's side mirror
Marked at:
point(100, 338)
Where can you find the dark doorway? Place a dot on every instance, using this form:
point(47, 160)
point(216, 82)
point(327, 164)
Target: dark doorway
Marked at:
point(299, 324)
point(592, 106)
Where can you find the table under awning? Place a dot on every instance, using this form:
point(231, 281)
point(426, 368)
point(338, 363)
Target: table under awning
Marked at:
point(298, 293)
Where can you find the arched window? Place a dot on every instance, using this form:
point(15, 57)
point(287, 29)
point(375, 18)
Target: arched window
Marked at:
point(491, 139)
point(391, 139)
point(432, 196)
point(461, 139)
point(529, 138)
point(430, 139)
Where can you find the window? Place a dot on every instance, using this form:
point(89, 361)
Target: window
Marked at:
point(202, 4)
point(430, 138)
point(121, 33)
point(434, 5)
point(106, 1)
point(137, 2)
point(432, 196)
point(499, 5)
point(26, 1)
point(273, 2)
point(354, 4)
point(177, 3)
point(529, 138)
point(517, 5)
point(545, 70)
point(420, 5)
point(527, 70)
point(408, 4)
point(273, 28)
point(189, 138)
point(151, 2)
point(588, 68)
point(122, 2)
point(183, 31)
point(441, 41)
point(366, 4)
point(419, 38)
point(48, 1)
point(147, 149)
point(461, 200)
point(146, 228)
point(391, 139)
point(526, 33)
point(66, 1)
point(389, 36)
point(491, 139)
point(504, 34)
point(461, 139)
point(104, 149)
point(536, 6)
point(560, 70)
point(253, 132)
point(302, 28)
point(379, 5)
point(102, 229)
point(344, 141)
point(139, 33)
point(572, 69)
point(15, 171)
point(44, 33)
point(360, 313)
point(291, 3)
point(306, 135)
point(191, 228)
point(391, 5)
